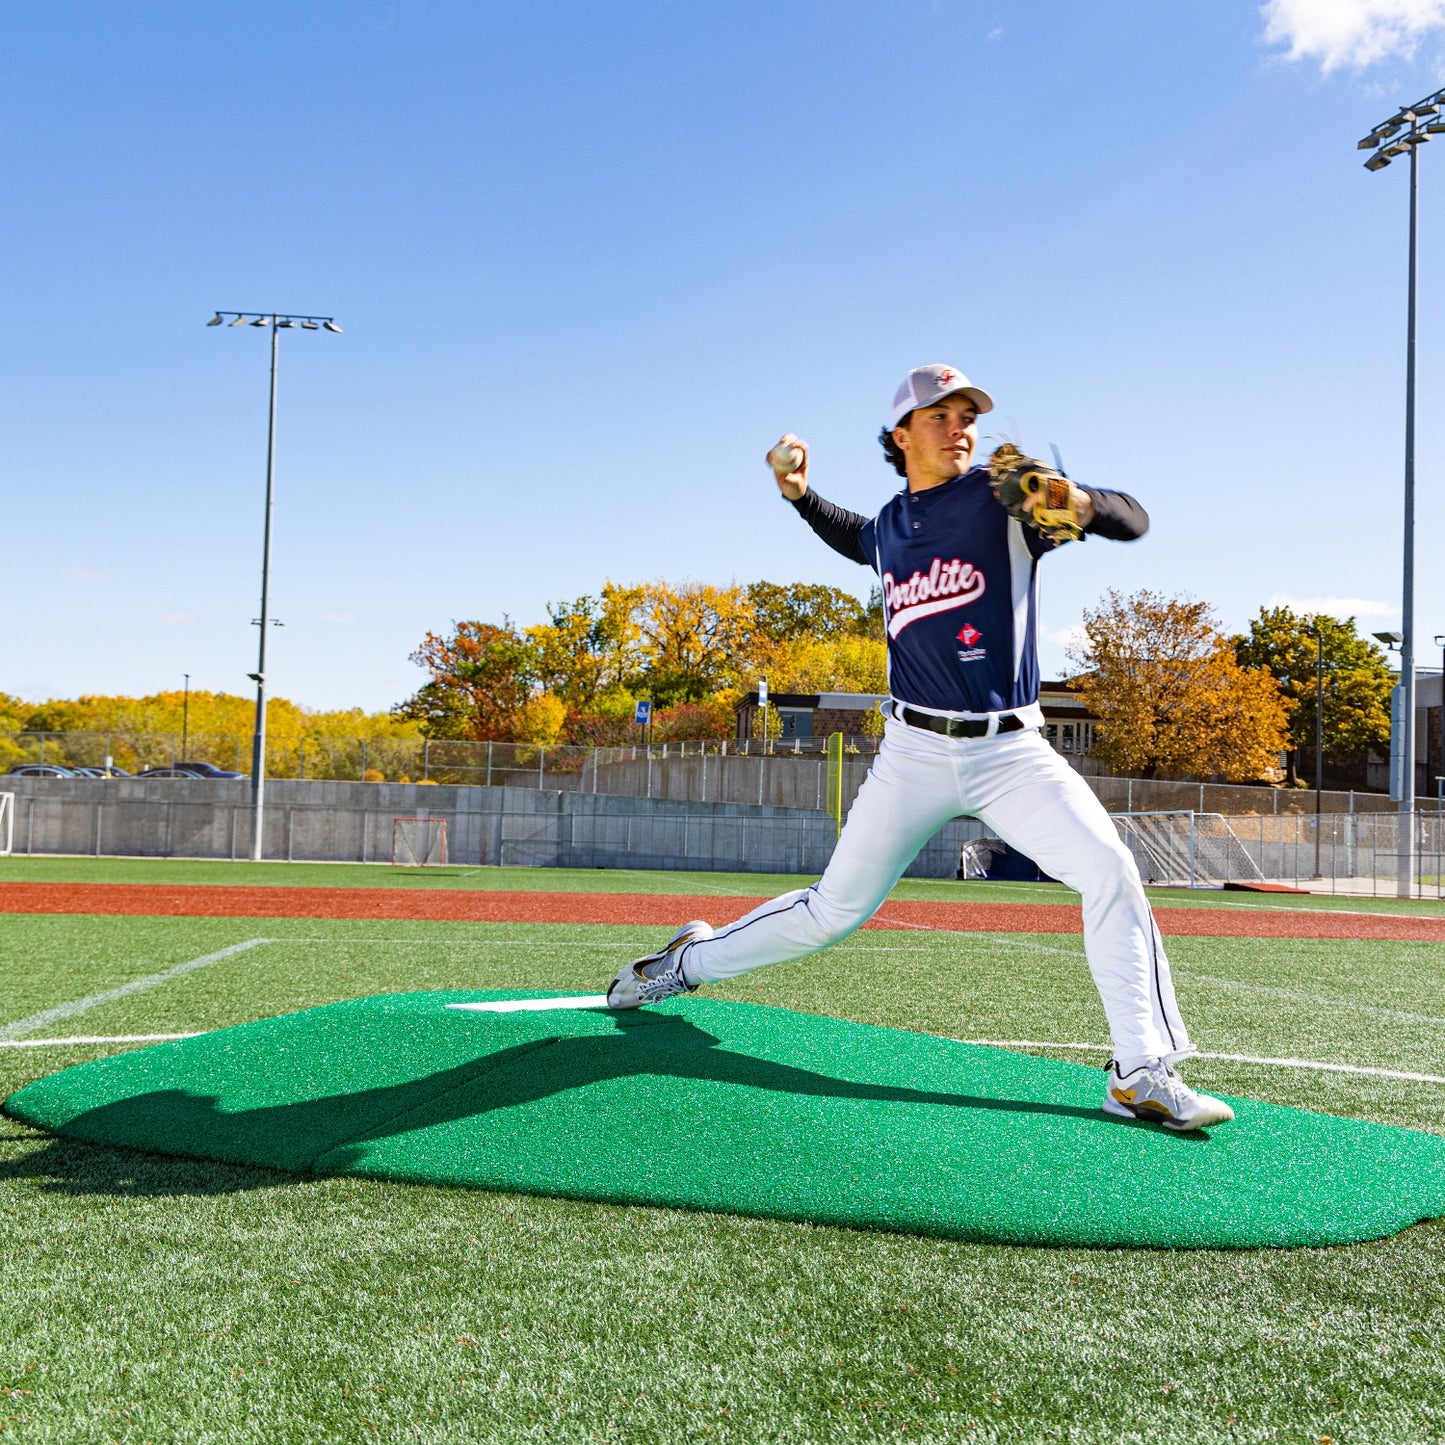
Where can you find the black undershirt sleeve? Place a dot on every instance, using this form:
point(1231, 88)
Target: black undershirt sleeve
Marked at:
point(837, 526)
point(1117, 516)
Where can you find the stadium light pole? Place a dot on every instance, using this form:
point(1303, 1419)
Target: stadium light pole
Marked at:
point(1405, 132)
point(1319, 734)
point(1440, 785)
point(278, 322)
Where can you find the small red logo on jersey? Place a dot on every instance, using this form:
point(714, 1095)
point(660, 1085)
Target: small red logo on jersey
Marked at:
point(969, 634)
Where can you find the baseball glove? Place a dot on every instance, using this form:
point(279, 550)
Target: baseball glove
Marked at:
point(1015, 478)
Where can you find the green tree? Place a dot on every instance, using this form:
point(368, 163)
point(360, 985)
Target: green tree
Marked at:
point(783, 611)
point(1357, 680)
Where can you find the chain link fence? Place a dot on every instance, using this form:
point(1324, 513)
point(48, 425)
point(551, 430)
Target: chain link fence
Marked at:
point(372, 760)
point(639, 769)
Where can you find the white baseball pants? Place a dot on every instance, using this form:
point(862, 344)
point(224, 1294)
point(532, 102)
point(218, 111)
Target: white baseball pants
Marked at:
point(1026, 794)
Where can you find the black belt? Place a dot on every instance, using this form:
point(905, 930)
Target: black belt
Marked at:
point(960, 727)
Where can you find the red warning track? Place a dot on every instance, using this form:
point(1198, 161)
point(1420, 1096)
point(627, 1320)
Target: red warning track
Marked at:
point(192, 901)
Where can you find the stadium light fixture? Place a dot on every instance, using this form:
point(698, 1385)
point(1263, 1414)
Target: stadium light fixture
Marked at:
point(1403, 746)
point(278, 322)
point(215, 320)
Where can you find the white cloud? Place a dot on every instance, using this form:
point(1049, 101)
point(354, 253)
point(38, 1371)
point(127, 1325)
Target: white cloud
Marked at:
point(1068, 637)
point(179, 619)
point(336, 616)
point(83, 574)
point(995, 34)
point(1336, 606)
point(1350, 33)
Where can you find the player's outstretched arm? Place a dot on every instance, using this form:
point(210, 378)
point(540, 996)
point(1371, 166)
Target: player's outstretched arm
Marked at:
point(837, 526)
point(1116, 515)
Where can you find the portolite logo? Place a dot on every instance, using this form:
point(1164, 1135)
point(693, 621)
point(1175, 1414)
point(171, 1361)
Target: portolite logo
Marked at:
point(969, 634)
point(945, 376)
point(943, 587)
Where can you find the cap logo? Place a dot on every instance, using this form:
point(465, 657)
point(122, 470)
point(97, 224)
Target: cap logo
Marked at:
point(945, 376)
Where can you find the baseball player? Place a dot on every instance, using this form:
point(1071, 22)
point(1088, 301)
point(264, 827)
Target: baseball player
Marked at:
point(957, 551)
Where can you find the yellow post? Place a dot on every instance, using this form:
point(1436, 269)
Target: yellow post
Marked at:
point(835, 780)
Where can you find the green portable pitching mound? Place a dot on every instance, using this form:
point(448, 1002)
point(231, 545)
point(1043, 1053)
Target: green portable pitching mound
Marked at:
point(745, 1109)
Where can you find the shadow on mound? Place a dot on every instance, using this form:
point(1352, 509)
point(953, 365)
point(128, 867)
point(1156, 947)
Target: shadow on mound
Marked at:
point(641, 1046)
point(74, 1168)
point(740, 1108)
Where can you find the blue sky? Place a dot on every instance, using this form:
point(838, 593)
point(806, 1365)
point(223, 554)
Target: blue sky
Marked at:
point(592, 258)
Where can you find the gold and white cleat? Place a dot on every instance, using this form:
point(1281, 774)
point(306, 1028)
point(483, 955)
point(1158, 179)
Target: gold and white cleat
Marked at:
point(1156, 1093)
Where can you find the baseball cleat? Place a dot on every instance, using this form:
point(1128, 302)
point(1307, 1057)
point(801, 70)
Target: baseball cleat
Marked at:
point(1156, 1093)
point(657, 976)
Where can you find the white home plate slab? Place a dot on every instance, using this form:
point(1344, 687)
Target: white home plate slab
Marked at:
point(534, 1005)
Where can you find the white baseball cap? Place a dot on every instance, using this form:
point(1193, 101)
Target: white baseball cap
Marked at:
point(925, 385)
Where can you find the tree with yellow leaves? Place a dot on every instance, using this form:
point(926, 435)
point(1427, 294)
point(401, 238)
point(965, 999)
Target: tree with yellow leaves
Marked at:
point(1170, 694)
point(693, 636)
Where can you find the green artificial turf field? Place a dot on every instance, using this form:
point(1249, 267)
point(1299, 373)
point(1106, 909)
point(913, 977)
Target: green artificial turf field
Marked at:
point(151, 1298)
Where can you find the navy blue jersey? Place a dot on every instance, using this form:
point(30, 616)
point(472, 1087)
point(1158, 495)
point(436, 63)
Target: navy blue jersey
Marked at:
point(960, 588)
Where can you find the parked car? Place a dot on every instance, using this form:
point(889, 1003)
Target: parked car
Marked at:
point(207, 770)
point(41, 770)
point(168, 773)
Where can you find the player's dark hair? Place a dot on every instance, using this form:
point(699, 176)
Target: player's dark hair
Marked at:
point(892, 450)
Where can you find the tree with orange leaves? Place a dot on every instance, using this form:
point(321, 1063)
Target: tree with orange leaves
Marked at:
point(482, 676)
point(1170, 695)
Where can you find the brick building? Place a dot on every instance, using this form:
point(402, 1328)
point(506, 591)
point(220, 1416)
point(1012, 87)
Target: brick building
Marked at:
point(807, 715)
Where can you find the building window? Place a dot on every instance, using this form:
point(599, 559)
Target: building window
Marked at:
point(797, 722)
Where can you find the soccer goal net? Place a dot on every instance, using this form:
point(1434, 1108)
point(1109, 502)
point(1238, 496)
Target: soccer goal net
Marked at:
point(1196, 849)
point(418, 842)
point(7, 823)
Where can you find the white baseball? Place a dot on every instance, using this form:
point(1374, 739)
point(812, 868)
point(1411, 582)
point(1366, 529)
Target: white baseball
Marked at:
point(785, 458)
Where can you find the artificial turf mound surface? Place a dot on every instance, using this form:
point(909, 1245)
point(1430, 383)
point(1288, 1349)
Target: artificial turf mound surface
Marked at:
point(740, 1108)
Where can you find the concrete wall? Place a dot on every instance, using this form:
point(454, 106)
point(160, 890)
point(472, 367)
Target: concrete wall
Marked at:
point(786, 780)
point(512, 827)
point(779, 780)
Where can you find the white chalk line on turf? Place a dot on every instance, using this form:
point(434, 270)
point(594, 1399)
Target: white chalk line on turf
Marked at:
point(49, 1016)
